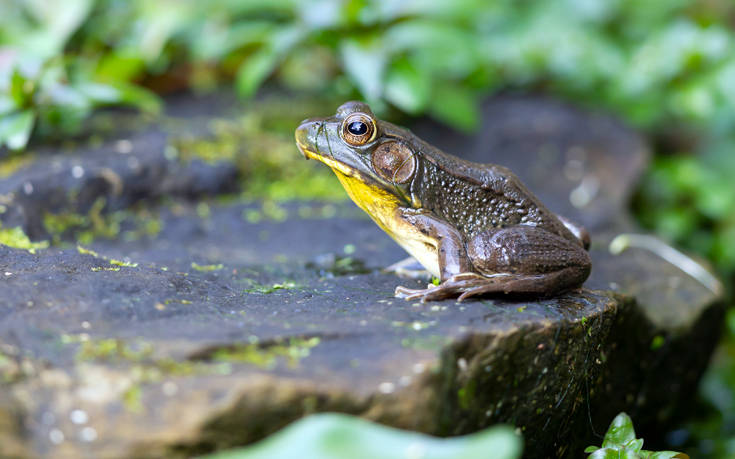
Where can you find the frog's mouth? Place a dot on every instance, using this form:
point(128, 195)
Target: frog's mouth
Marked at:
point(332, 163)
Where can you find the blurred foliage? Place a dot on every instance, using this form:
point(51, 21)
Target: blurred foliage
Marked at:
point(326, 436)
point(651, 61)
point(620, 442)
point(710, 431)
point(691, 200)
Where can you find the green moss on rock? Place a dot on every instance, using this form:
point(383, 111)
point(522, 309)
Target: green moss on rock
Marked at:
point(16, 238)
point(260, 143)
point(292, 351)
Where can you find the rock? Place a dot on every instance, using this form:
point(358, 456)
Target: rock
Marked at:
point(117, 174)
point(219, 330)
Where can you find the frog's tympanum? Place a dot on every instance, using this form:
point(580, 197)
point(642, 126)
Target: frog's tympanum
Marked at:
point(474, 226)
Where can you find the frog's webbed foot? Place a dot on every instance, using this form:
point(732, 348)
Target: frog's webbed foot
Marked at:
point(460, 286)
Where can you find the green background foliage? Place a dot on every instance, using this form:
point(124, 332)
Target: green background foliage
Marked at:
point(666, 67)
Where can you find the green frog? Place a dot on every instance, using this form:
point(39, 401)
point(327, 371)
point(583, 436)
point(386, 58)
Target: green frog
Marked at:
point(474, 226)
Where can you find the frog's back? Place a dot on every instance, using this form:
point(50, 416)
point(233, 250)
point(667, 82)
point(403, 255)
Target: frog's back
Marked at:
point(475, 197)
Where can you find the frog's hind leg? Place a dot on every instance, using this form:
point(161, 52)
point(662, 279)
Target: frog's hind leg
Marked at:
point(520, 260)
point(527, 260)
point(578, 230)
point(536, 285)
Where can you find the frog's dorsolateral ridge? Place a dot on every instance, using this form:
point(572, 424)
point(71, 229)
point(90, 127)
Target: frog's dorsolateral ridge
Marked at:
point(474, 226)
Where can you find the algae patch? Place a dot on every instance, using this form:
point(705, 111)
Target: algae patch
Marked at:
point(269, 210)
point(267, 356)
point(206, 268)
point(265, 288)
point(112, 261)
point(11, 165)
point(144, 367)
point(17, 239)
point(96, 224)
point(109, 349)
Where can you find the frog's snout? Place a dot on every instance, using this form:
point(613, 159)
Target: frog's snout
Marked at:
point(306, 137)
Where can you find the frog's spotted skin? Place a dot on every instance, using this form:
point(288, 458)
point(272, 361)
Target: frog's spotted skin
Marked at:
point(475, 226)
point(506, 204)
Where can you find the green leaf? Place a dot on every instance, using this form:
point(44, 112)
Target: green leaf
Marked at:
point(364, 62)
point(15, 129)
point(222, 39)
point(141, 98)
point(259, 66)
point(19, 86)
point(321, 14)
point(407, 87)
point(59, 20)
point(456, 106)
point(7, 105)
point(663, 455)
point(613, 453)
point(119, 65)
point(620, 431)
point(67, 97)
point(333, 436)
point(442, 48)
point(635, 445)
point(99, 93)
point(254, 71)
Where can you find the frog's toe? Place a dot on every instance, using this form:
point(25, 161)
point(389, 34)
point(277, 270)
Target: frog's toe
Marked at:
point(433, 293)
point(478, 290)
point(451, 288)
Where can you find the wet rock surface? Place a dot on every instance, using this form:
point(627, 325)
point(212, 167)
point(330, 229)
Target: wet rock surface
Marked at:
point(225, 323)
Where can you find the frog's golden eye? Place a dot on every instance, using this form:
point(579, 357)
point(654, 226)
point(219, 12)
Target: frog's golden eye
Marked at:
point(358, 129)
point(394, 162)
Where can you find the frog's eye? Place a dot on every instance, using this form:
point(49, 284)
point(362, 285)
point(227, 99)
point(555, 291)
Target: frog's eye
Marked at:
point(394, 162)
point(358, 129)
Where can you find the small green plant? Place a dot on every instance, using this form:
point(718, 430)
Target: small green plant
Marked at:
point(620, 443)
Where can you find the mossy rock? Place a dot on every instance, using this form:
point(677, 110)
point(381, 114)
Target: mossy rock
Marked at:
point(219, 328)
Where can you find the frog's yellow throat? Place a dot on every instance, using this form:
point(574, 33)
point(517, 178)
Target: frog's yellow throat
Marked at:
point(382, 207)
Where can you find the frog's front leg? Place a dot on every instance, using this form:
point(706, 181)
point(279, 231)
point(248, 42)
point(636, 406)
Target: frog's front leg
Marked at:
point(448, 242)
point(450, 251)
point(516, 260)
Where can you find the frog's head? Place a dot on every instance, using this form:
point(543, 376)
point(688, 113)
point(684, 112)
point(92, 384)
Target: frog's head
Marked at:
point(373, 159)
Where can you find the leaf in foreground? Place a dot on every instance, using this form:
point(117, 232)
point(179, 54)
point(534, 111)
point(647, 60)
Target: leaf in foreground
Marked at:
point(326, 436)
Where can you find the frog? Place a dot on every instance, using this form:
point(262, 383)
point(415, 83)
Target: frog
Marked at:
point(475, 227)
